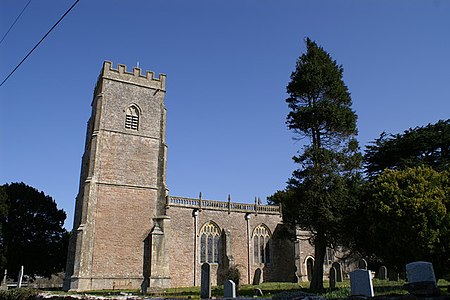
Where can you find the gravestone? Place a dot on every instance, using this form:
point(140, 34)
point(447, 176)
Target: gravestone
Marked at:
point(421, 279)
point(392, 275)
point(258, 292)
point(144, 286)
point(332, 277)
point(257, 277)
point(229, 289)
point(19, 279)
point(205, 288)
point(3, 285)
point(382, 273)
point(362, 264)
point(338, 267)
point(361, 283)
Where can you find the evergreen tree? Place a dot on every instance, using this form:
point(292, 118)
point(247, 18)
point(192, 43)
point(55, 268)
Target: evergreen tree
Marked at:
point(320, 111)
point(3, 214)
point(408, 218)
point(428, 145)
point(33, 232)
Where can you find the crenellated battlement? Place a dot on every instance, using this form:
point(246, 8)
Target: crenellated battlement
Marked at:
point(135, 77)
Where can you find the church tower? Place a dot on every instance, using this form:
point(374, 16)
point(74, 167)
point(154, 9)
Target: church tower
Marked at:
point(121, 200)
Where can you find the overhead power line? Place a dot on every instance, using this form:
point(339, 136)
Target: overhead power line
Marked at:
point(31, 51)
point(12, 25)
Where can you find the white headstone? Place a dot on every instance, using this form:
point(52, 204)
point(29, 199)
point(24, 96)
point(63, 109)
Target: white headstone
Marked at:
point(361, 283)
point(420, 271)
point(229, 289)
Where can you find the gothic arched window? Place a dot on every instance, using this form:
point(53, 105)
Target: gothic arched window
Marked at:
point(261, 244)
point(132, 118)
point(210, 243)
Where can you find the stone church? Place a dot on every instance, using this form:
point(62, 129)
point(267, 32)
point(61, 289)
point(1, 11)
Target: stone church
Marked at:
point(129, 233)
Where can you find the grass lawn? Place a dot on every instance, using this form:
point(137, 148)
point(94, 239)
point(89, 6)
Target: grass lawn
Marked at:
point(281, 290)
point(269, 289)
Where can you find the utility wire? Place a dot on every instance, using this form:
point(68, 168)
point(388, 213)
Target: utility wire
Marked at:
point(31, 51)
point(15, 21)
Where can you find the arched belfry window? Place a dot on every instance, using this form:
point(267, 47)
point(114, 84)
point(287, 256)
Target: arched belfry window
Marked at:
point(210, 243)
point(261, 244)
point(132, 118)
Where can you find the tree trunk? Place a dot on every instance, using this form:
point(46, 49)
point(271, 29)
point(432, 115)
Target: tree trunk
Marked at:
point(320, 247)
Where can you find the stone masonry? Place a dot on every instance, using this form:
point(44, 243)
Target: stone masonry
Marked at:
point(122, 181)
point(128, 233)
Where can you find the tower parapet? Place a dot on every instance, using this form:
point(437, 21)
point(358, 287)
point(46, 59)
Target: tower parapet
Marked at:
point(122, 184)
point(135, 77)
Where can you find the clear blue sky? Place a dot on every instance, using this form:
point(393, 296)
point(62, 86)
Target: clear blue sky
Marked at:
point(227, 66)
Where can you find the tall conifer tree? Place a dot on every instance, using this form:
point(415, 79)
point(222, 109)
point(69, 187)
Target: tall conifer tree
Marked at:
point(320, 111)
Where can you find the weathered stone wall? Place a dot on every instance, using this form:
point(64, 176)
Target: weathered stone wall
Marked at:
point(184, 268)
point(127, 234)
point(122, 182)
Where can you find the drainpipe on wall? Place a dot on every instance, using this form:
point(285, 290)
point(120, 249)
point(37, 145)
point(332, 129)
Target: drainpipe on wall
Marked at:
point(247, 218)
point(195, 215)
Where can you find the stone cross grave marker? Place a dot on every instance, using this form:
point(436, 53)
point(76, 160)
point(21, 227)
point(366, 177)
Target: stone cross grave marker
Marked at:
point(332, 276)
point(421, 279)
point(257, 277)
point(205, 288)
point(19, 279)
point(382, 273)
point(338, 267)
point(361, 283)
point(229, 289)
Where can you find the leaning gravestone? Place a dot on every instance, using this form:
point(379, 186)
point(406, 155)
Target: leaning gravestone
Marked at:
point(229, 289)
point(257, 277)
point(19, 279)
point(421, 279)
point(361, 283)
point(338, 268)
point(258, 292)
point(382, 273)
point(205, 288)
point(332, 277)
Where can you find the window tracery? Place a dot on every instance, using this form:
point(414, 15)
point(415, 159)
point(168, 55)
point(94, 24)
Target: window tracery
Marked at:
point(210, 243)
point(261, 244)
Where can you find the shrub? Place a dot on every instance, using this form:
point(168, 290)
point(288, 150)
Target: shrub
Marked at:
point(233, 273)
point(19, 294)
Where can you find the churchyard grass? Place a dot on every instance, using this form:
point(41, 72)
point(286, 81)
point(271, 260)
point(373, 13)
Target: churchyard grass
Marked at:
point(270, 289)
point(277, 290)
